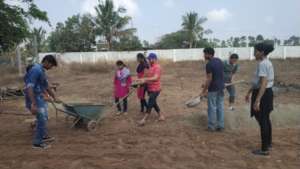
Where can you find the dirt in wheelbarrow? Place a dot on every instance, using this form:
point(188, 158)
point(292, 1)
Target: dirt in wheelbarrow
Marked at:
point(179, 142)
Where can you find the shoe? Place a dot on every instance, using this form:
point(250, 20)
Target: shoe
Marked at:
point(161, 118)
point(141, 123)
point(40, 146)
point(118, 113)
point(125, 113)
point(219, 129)
point(231, 108)
point(48, 139)
point(270, 147)
point(260, 152)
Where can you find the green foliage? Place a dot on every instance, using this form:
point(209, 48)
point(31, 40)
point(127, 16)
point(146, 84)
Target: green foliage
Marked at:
point(191, 34)
point(39, 34)
point(110, 23)
point(14, 22)
point(77, 34)
point(173, 40)
point(192, 26)
point(128, 43)
point(293, 41)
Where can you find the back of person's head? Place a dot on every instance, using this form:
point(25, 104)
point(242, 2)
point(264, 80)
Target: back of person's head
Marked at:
point(209, 50)
point(234, 56)
point(50, 59)
point(120, 63)
point(140, 56)
point(264, 47)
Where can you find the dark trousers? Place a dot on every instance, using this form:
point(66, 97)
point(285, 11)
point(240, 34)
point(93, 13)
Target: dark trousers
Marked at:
point(144, 105)
point(263, 117)
point(152, 103)
point(119, 105)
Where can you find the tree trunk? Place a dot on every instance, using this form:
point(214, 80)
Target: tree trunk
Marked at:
point(109, 43)
point(191, 44)
point(19, 61)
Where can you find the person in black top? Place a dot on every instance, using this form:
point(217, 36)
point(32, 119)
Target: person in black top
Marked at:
point(141, 69)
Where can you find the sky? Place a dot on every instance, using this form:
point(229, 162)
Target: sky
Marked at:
point(226, 18)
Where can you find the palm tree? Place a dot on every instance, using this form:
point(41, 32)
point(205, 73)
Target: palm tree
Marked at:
point(192, 25)
point(39, 34)
point(110, 23)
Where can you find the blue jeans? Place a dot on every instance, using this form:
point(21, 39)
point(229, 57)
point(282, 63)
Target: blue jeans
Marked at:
point(231, 91)
point(41, 128)
point(215, 102)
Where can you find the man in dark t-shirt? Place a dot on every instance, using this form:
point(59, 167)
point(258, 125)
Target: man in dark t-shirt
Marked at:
point(213, 88)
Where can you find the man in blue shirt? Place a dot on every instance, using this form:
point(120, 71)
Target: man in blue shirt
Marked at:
point(36, 84)
point(214, 89)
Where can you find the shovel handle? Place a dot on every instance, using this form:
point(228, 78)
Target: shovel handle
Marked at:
point(233, 83)
point(131, 91)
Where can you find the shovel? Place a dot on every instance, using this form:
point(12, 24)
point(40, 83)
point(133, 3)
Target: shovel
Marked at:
point(197, 100)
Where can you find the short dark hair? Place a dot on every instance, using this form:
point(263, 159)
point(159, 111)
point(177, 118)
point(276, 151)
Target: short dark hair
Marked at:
point(264, 47)
point(234, 56)
point(120, 63)
point(50, 59)
point(209, 50)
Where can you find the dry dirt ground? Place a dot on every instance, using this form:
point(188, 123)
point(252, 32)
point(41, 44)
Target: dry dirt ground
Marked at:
point(180, 142)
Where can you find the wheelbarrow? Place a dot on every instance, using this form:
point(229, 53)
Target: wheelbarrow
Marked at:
point(88, 114)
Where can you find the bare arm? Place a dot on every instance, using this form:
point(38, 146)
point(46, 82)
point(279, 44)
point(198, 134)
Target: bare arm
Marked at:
point(51, 93)
point(262, 89)
point(150, 79)
point(207, 82)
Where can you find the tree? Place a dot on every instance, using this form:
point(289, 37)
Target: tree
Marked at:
point(243, 41)
point(128, 43)
point(37, 36)
point(192, 26)
point(293, 41)
point(236, 42)
point(14, 22)
point(110, 23)
point(223, 44)
point(146, 44)
point(173, 40)
point(251, 41)
point(77, 34)
point(214, 43)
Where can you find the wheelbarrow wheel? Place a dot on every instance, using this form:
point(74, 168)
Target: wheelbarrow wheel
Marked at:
point(91, 125)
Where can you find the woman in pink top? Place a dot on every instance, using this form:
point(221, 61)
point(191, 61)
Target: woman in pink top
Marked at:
point(122, 82)
point(152, 80)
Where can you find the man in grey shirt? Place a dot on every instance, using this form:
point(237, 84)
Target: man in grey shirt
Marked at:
point(262, 96)
point(230, 69)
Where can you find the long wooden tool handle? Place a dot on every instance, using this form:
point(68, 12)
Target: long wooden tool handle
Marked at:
point(123, 98)
point(236, 82)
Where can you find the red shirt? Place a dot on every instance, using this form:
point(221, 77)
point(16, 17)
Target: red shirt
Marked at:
point(154, 86)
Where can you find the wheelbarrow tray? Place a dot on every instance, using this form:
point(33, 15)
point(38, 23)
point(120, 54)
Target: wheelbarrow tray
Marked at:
point(88, 111)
